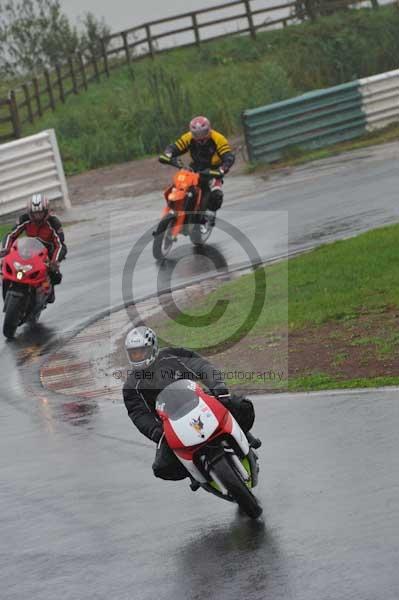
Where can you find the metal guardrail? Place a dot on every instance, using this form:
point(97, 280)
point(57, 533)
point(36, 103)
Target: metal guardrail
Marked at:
point(322, 118)
point(310, 121)
point(380, 99)
point(31, 165)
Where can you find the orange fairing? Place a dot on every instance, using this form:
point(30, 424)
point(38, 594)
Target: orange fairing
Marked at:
point(176, 194)
point(182, 181)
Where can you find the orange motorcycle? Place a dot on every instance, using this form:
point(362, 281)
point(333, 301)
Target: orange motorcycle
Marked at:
point(185, 211)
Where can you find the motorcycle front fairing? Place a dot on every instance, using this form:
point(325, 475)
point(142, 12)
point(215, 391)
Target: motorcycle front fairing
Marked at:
point(24, 272)
point(185, 183)
point(194, 421)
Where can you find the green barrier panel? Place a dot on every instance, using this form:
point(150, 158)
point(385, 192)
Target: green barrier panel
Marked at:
point(310, 121)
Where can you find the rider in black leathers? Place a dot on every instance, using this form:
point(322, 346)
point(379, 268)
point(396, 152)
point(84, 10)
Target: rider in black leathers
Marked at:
point(152, 371)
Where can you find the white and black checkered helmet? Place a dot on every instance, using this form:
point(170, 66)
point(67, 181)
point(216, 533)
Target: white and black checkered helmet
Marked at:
point(141, 345)
point(38, 207)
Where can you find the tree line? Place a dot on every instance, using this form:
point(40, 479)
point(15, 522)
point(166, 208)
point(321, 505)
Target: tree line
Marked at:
point(36, 34)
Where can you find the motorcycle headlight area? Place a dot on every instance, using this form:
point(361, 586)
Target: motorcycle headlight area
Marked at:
point(22, 268)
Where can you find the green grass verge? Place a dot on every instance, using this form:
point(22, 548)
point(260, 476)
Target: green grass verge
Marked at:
point(336, 283)
point(4, 229)
point(322, 381)
point(141, 108)
point(231, 300)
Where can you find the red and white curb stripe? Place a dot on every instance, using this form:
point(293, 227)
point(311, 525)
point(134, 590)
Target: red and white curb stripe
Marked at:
point(86, 366)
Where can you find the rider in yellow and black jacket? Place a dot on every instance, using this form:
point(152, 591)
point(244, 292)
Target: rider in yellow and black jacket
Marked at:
point(208, 149)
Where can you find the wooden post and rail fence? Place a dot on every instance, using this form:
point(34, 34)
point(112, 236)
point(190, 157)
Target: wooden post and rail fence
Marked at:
point(29, 101)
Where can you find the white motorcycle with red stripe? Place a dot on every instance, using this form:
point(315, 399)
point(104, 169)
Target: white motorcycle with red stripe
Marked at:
point(210, 444)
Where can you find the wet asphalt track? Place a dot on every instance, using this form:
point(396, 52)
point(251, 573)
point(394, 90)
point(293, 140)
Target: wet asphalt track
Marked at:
point(81, 516)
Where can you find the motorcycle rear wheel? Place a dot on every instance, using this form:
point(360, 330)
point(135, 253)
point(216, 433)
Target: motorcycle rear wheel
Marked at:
point(237, 488)
point(163, 240)
point(12, 316)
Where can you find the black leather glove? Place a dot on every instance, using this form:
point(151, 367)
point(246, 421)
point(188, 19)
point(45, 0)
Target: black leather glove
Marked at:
point(54, 273)
point(54, 266)
point(238, 401)
point(221, 392)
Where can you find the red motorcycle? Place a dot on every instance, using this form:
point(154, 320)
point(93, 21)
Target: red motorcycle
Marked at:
point(26, 283)
point(184, 212)
point(210, 444)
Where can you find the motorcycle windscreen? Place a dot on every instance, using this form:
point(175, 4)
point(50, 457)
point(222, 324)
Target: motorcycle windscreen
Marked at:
point(178, 399)
point(29, 247)
point(191, 421)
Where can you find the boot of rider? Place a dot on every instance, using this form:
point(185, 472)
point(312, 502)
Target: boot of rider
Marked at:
point(194, 484)
point(215, 201)
point(216, 195)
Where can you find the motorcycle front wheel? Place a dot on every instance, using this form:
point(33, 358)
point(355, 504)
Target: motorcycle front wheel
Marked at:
point(12, 316)
point(163, 239)
point(201, 231)
point(237, 488)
